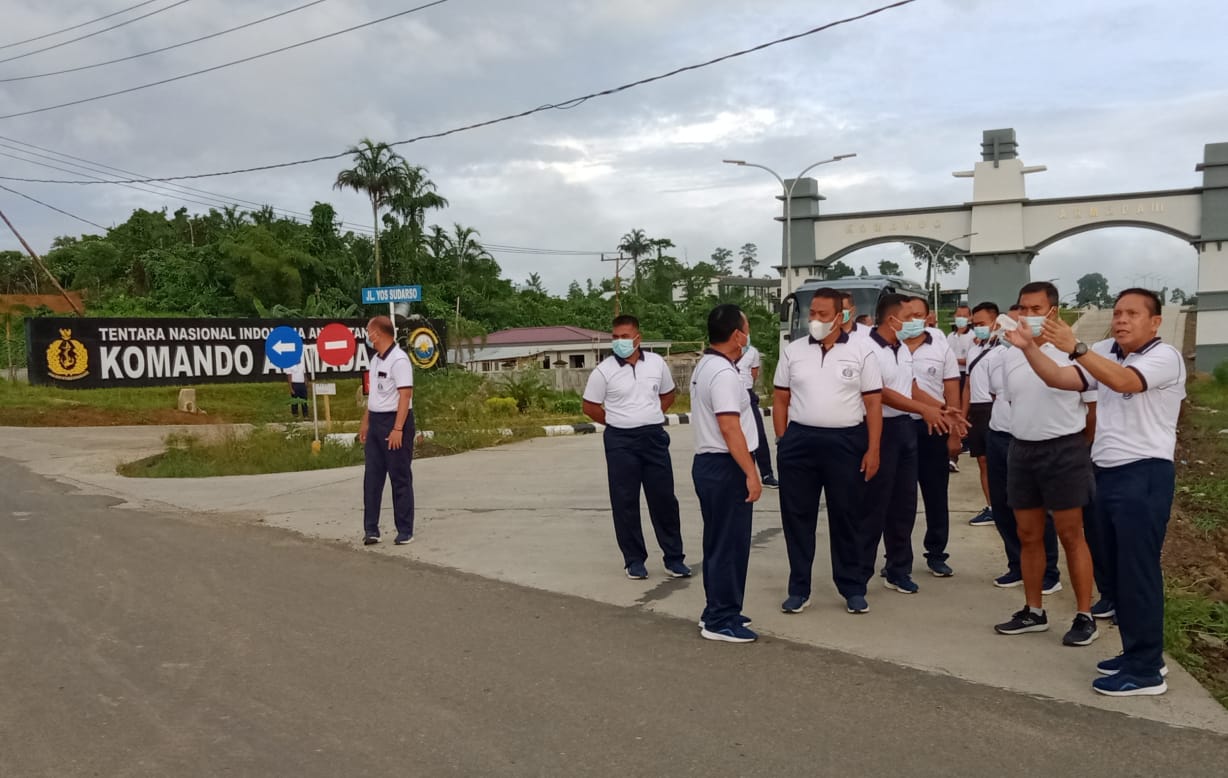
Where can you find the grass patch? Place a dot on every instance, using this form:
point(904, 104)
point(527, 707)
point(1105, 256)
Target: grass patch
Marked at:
point(1196, 635)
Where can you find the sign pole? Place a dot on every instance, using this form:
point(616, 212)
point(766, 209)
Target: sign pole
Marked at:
point(315, 404)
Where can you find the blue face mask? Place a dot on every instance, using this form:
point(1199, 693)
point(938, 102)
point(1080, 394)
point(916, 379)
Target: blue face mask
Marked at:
point(981, 333)
point(847, 315)
point(961, 322)
point(912, 328)
point(1037, 324)
point(623, 347)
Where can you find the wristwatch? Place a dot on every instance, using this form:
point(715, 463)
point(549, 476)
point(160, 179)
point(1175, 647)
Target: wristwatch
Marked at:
point(1079, 350)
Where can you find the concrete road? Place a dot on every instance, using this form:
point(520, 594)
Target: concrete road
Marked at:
point(146, 643)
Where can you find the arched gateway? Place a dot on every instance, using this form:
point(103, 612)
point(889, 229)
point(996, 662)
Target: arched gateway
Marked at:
point(1009, 229)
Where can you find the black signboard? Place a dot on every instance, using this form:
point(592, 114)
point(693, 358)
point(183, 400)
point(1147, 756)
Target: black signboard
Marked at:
point(86, 353)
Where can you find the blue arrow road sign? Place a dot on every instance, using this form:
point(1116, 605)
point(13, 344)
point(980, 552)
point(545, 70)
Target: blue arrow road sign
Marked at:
point(391, 294)
point(284, 347)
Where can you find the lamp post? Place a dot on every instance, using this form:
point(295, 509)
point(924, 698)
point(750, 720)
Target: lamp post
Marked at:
point(932, 283)
point(787, 191)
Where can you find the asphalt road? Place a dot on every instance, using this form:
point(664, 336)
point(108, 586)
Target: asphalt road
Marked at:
point(134, 643)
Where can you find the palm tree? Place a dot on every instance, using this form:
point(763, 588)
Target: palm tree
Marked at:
point(637, 244)
point(376, 173)
point(464, 247)
point(414, 195)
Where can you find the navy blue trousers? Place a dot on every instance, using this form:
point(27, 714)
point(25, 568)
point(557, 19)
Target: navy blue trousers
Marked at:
point(997, 447)
point(1132, 508)
point(720, 486)
point(395, 466)
point(763, 454)
point(634, 459)
point(814, 461)
point(298, 398)
point(934, 476)
point(891, 503)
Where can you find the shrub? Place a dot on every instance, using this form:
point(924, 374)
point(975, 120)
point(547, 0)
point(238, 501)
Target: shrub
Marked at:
point(526, 387)
point(1221, 373)
point(502, 406)
point(569, 404)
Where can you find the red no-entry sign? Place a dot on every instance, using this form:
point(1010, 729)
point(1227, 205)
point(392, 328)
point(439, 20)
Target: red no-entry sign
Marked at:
point(335, 344)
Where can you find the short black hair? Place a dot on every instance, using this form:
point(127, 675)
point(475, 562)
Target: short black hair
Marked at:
point(723, 321)
point(921, 299)
point(827, 293)
point(963, 305)
point(1016, 307)
point(847, 296)
point(1153, 300)
point(626, 318)
point(887, 305)
point(987, 306)
point(1041, 286)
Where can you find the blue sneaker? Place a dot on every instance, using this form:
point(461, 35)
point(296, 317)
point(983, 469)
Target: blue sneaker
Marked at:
point(795, 604)
point(983, 519)
point(940, 569)
point(1113, 666)
point(737, 634)
point(677, 570)
point(903, 583)
point(1051, 587)
point(1104, 609)
point(743, 620)
point(1008, 580)
point(403, 539)
point(856, 604)
point(1122, 685)
point(637, 571)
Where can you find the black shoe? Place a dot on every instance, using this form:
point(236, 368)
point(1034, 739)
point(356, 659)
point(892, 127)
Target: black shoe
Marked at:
point(1023, 621)
point(370, 540)
point(1082, 631)
point(1104, 609)
point(770, 482)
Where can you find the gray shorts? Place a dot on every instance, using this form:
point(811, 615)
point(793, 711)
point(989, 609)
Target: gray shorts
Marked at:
point(1052, 474)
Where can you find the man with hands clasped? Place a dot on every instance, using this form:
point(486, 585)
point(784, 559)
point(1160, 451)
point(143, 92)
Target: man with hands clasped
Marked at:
point(1141, 383)
point(387, 434)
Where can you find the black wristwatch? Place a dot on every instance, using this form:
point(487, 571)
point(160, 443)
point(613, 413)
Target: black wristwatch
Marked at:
point(1079, 350)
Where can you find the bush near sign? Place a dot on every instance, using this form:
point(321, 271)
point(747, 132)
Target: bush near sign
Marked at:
point(91, 353)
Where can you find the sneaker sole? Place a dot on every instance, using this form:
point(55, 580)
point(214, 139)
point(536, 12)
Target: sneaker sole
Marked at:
point(370, 542)
point(1010, 585)
point(937, 574)
point(403, 542)
point(702, 625)
point(1076, 643)
point(798, 609)
point(895, 588)
point(705, 634)
point(637, 577)
point(1163, 671)
point(989, 523)
point(771, 486)
point(672, 574)
point(1105, 615)
point(1147, 691)
point(857, 612)
point(1022, 630)
point(1057, 587)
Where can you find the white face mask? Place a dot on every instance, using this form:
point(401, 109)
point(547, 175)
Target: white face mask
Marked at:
point(821, 329)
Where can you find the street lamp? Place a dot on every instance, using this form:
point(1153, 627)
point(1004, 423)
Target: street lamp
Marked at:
point(934, 254)
point(787, 190)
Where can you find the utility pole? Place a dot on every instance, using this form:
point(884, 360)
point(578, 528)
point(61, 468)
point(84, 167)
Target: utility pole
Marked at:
point(619, 263)
point(38, 261)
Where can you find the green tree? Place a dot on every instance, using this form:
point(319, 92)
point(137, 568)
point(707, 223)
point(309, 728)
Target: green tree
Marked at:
point(1178, 296)
point(839, 269)
point(888, 268)
point(722, 260)
point(1093, 290)
point(377, 174)
point(636, 245)
point(863, 272)
point(945, 260)
point(749, 259)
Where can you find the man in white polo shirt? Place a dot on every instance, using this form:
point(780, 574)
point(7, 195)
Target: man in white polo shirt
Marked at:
point(962, 337)
point(629, 392)
point(724, 474)
point(748, 369)
point(828, 419)
point(387, 434)
point(1049, 468)
point(1141, 383)
point(936, 377)
point(977, 400)
point(848, 318)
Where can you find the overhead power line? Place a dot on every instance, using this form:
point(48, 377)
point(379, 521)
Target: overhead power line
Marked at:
point(572, 103)
point(76, 26)
point(98, 32)
point(52, 207)
point(211, 35)
point(232, 63)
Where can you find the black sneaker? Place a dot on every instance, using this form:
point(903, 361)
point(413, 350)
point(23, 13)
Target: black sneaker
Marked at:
point(370, 540)
point(770, 482)
point(1082, 631)
point(1023, 621)
point(1104, 609)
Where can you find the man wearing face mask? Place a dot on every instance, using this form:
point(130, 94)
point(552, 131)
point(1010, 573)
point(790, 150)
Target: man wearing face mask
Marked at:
point(936, 382)
point(629, 392)
point(890, 508)
point(748, 370)
point(976, 399)
point(849, 321)
point(1049, 467)
point(961, 339)
point(387, 434)
point(828, 419)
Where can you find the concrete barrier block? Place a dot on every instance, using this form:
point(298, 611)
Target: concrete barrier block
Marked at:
point(187, 401)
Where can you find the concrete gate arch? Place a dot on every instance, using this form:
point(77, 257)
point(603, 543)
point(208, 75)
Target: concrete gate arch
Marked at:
point(1010, 229)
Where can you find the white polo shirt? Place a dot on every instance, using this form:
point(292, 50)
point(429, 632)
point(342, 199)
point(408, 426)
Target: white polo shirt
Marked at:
point(978, 372)
point(826, 385)
point(1133, 427)
point(1038, 411)
point(298, 373)
point(895, 369)
point(387, 374)
point(860, 330)
point(748, 362)
point(716, 390)
point(630, 393)
point(933, 362)
point(960, 343)
point(1000, 416)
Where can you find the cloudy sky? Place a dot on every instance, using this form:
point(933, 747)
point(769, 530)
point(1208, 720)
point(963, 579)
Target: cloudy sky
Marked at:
point(1111, 95)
